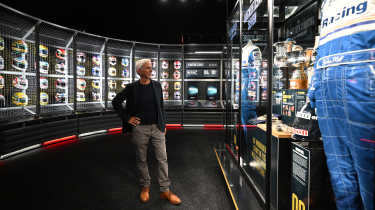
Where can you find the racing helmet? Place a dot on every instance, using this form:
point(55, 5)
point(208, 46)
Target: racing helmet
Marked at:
point(165, 95)
point(19, 46)
point(177, 74)
point(43, 98)
point(60, 97)
point(112, 84)
point(1, 63)
point(60, 54)
point(43, 67)
point(43, 83)
point(95, 83)
point(2, 101)
point(20, 99)
point(95, 71)
point(177, 85)
point(124, 83)
point(153, 63)
point(20, 63)
point(125, 73)
point(81, 57)
point(2, 43)
point(2, 82)
point(125, 62)
point(95, 96)
point(96, 59)
point(177, 95)
point(153, 74)
point(60, 68)
point(177, 65)
point(81, 71)
point(81, 96)
point(81, 84)
point(111, 95)
point(164, 64)
point(112, 71)
point(20, 83)
point(164, 75)
point(60, 83)
point(165, 85)
point(43, 51)
point(112, 60)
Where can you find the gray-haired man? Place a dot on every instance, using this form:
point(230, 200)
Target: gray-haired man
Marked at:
point(144, 117)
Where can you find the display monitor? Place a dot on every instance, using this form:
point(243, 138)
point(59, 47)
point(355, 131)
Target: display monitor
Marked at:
point(211, 92)
point(192, 92)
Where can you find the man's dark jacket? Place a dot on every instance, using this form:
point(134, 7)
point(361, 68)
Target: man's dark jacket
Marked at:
point(130, 95)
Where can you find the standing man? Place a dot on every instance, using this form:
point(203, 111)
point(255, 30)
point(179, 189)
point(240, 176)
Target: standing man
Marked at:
point(144, 117)
point(343, 91)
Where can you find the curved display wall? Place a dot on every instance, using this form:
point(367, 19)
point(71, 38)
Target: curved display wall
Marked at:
point(57, 82)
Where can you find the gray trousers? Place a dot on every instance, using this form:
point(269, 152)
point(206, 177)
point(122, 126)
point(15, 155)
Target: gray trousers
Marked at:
point(142, 135)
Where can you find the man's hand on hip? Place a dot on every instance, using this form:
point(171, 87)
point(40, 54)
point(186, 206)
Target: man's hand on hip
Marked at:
point(134, 121)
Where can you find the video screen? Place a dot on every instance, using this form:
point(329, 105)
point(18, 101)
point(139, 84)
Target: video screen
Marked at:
point(192, 92)
point(211, 92)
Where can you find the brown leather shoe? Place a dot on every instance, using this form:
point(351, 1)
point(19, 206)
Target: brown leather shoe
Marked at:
point(173, 199)
point(145, 194)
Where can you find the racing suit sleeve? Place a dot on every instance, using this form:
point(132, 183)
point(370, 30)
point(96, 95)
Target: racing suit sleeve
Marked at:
point(117, 104)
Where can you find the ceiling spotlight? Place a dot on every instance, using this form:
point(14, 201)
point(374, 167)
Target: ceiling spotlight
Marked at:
point(163, 1)
point(183, 1)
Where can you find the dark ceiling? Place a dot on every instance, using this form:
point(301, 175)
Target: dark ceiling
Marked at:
point(156, 21)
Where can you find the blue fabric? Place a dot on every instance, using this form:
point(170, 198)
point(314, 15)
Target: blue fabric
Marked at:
point(345, 100)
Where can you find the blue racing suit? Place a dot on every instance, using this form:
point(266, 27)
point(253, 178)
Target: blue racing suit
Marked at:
point(343, 91)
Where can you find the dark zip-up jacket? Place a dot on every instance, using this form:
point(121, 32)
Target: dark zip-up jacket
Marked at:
point(130, 95)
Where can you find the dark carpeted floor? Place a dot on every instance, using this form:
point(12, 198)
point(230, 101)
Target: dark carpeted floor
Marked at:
point(99, 173)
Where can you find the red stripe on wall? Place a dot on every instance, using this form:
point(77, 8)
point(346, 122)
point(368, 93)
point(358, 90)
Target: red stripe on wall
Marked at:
point(74, 137)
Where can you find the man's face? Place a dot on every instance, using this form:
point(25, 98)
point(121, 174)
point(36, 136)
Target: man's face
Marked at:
point(146, 71)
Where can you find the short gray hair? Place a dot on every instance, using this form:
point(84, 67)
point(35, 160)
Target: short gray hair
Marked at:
point(139, 64)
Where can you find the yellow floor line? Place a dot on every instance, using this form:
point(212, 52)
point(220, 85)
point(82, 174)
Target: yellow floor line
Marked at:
point(226, 180)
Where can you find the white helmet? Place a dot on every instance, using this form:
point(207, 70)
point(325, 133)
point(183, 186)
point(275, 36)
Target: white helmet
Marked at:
point(153, 74)
point(112, 71)
point(20, 63)
point(112, 84)
point(177, 65)
point(164, 64)
point(177, 95)
point(1, 63)
point(125, 62)
point(60, 67)
point(60, 97)
point(165, 85)
point(95, 83)
point(43, 98)
point(112, 60)
point(81, 96)
point(124, 83)
point(111, 95)
point(81, 71)
point(2, 82)
point(153, 62)
point(95, 71)
point(43, 67)
point(60, 83)
point(95, 96)
point(165, 95)
point(20, 83)
point(164, 75)
point(177, 85)
point(81, 57)
point(81, 84)
point(43, 83)
point(176, 74)
point(96, 59)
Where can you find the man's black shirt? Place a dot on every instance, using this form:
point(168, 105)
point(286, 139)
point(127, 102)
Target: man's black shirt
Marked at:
point(146, 105)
